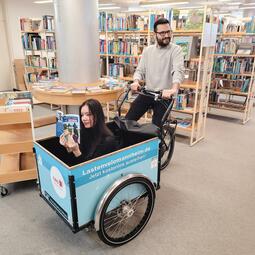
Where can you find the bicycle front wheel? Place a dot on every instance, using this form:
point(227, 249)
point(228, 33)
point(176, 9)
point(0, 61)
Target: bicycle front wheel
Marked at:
point(126, 211)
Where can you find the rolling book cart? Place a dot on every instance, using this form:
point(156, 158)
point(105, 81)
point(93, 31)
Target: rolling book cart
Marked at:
point(16, 145)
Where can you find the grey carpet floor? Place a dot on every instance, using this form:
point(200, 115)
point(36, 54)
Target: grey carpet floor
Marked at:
point(205, 206)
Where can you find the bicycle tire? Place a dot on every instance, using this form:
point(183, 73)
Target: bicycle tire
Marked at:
point(126, 210)
point(169, 138)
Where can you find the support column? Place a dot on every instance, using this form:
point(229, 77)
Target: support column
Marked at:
point(76, 25)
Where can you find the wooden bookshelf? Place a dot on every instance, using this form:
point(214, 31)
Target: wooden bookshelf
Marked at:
point(39, 48)
point(242, 65)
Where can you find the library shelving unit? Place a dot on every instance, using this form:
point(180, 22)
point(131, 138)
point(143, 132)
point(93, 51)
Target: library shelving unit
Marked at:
point(232, 85)
point(16, 145)
point(121, 59)
point(122, 39)
point(39, 47)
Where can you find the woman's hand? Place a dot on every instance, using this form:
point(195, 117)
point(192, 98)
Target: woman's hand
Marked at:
point(68, 142)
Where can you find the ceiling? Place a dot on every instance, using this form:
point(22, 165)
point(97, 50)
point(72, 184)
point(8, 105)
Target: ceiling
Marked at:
point(220, 5)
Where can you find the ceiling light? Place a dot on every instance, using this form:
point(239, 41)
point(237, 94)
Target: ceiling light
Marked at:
point(163, 4)
point(248, 4)
point(235, 3)
point(43, 2)
point(208, 3)
point(247, 7)
point(192, 7)
point(109, 4)
point(109, 8)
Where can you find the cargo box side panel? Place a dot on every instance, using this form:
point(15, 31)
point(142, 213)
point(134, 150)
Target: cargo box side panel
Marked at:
point(54, 183)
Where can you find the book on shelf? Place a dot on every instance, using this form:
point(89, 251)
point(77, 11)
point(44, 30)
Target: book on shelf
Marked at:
point(185, 42)
point(48, 22)
point(183, 123)
point(161, 14)
point(245, 49)
point(188, 20)
point(68, 124)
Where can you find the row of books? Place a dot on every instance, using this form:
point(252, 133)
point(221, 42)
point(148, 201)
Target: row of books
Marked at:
point(121, 47)
point(239, 85)
point(224, 26)
point(163, 14)
point(40, 76)
point(37, 61)
point(116, 70)
point(30, 24)
point(185, 99)
point(235, 46)
point(232, 66)
point(115, 22)
point(33, 41)
point(47, 23)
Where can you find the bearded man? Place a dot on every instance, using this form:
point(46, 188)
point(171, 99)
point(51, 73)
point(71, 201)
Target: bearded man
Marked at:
point(162, 68)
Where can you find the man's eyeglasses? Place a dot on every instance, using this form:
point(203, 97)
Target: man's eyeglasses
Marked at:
point(162, 33)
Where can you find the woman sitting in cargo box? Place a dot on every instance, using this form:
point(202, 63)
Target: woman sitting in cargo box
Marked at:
point(96, 139)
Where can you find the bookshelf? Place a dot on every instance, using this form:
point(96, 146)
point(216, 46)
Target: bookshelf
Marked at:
point(198, 59)
point(39, 48)
point(16, 145)
point(232, 84)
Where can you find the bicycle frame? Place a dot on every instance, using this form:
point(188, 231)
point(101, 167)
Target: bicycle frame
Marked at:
point(154, 95)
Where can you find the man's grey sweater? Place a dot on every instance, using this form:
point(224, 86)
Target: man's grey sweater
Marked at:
point(161, 67)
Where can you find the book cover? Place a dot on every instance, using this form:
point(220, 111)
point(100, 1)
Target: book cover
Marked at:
point(185, 42)
point(68, 123)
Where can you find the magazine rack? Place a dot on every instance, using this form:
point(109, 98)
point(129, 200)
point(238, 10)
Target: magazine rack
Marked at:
point(16, 145)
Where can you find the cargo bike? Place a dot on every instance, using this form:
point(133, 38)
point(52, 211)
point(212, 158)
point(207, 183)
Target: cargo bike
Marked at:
point(113, 194)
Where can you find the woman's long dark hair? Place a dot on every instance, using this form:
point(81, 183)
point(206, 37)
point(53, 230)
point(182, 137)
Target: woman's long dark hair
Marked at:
point(91, 137)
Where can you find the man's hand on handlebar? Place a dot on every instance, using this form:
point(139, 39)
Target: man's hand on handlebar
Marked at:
point(167, 93)
point(135, 86)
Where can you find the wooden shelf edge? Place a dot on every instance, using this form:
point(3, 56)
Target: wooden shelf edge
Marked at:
point(17, 176)
point(16, 147)
point(225, 108)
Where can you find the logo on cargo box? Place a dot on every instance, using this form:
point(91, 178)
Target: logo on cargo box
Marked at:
point(57, 181)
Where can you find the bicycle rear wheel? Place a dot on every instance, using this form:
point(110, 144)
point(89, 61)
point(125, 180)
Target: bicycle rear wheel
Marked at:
point(126, 211)
point(167, 146)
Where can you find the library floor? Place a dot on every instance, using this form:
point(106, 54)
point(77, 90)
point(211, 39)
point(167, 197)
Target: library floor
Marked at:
point(205, 205)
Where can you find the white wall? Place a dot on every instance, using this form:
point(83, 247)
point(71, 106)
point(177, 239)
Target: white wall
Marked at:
point(5, 64)
point(16, 9)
